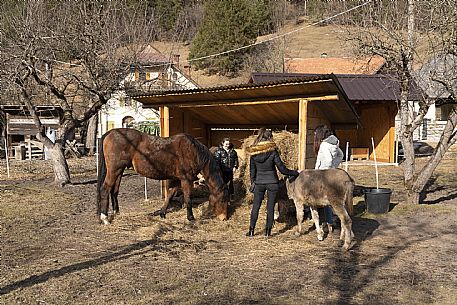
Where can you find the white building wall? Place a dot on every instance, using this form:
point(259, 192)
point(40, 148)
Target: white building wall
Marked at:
point(114, 112)
point(427, 132)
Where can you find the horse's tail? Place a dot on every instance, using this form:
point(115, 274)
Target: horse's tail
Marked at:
point(349, 196)
point(101, 171)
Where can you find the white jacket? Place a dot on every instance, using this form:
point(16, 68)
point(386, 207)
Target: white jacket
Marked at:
point(330, 155)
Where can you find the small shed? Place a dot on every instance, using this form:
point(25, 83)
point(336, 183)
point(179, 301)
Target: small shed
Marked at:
point(296, 104)
point(20, 127)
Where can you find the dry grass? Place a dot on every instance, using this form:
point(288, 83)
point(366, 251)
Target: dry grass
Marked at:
point(53, 250)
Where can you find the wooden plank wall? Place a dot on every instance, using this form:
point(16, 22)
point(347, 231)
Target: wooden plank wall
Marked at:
point(378, 122)
point(347, 136)
point(236, 136)
point(181, 121)
point(196, 128)
point(176, 121)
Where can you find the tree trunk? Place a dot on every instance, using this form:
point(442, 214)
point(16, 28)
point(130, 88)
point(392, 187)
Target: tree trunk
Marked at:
point(406, 137)
point(91, 135)
point(412, 197)
point(60, 165)
point(447, 139)
point(407, 111)
point(409, 166)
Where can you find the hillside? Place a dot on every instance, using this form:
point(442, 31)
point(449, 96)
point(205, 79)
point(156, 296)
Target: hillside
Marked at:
point(308, 41)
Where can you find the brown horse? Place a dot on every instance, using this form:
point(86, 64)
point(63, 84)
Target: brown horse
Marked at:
point(179, 157)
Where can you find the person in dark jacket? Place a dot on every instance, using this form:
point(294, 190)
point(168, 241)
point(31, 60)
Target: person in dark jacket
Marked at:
point(227, 158)
point(263, 163)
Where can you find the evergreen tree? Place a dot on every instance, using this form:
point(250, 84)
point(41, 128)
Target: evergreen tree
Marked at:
point(229, 24)
point(166, 12)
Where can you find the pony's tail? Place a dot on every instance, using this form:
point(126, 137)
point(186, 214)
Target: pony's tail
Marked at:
point(101, 171)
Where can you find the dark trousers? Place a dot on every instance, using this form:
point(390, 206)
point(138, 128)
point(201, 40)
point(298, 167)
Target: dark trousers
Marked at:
point(228, 179)
point(259, 193)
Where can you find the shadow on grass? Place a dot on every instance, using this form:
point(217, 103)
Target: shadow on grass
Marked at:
point(136, 249)
point(348, 271)
point(431, 188)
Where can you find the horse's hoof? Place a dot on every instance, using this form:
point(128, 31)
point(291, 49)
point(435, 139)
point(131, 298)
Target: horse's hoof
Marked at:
point(276, 216)
point(190, 218)
point(297, 233)
point(221, 217)
point(348, 246)
point(104, 219)
point(320, 237)
point(162, 214)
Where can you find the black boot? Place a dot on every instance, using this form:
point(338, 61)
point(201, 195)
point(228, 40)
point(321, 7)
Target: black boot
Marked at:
point(250, 232)
point(268, 231)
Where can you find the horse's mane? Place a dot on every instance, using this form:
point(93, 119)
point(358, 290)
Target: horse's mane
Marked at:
point(206, 158)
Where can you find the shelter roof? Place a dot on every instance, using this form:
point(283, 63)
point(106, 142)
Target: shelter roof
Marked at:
point(274, 102)
point(357, 87)
point(325, 65)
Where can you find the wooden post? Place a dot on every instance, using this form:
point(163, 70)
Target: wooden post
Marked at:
point(347, 153)
point(29, 147)
point(392, 136)
point(302, 130)
point(164, 132)
point(164, 121)
point(145, 189)
point(6, 155)
point(396, 148)
point(97, 158)
point(375, 163)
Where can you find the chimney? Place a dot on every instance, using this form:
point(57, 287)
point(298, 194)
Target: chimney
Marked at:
point(176, 59)
point(188, 68)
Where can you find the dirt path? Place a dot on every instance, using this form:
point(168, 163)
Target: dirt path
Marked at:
point(53, 251)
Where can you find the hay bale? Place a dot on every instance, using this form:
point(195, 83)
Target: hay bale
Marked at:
point(287, 143)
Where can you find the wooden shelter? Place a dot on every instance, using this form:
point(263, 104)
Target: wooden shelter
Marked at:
point(374, 97)
point(297, 104)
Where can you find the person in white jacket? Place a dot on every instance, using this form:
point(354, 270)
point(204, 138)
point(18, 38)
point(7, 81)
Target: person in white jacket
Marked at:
point(329, 155)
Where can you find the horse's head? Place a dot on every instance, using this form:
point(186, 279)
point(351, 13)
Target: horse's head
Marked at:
point(219, 200)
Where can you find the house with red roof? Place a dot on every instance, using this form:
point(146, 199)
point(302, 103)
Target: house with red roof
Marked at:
point(153, 71)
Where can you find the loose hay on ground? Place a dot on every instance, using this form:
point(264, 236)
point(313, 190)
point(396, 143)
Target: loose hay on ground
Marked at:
point(58, 254)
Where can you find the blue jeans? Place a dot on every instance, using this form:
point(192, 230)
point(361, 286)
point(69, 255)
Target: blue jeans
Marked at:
point(328, 215)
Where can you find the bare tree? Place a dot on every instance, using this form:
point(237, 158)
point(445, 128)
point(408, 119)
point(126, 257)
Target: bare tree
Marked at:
point(406, 34)
point(74, 56)
point(268, 57)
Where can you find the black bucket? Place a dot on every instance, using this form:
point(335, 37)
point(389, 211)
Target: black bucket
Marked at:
point(377, 200)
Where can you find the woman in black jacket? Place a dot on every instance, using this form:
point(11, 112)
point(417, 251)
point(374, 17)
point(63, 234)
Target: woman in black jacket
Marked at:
point(263, 163)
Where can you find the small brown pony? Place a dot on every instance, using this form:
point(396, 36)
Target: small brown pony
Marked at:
point(180, 157)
